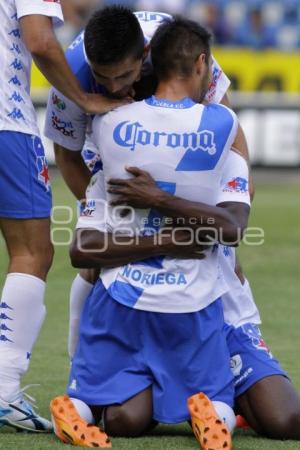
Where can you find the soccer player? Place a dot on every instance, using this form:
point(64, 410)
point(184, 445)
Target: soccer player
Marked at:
point(264, 393)
point(25, 200)
point(108, 62)
point(143, 342)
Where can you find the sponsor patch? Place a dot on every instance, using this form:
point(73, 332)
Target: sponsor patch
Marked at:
point(89, 209)
point(236, 365)
point(212, 89)
point(66, 128)
point(237, 184)
point(58, 102)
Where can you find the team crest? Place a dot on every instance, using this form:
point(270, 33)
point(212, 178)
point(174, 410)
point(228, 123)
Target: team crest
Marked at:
point(41, 162)
point(236, 365)
point(254, 333)
point(58, 102)
point(237, 184)
point(212, 88)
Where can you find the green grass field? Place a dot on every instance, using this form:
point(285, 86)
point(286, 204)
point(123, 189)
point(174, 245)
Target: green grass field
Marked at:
point(273, 270)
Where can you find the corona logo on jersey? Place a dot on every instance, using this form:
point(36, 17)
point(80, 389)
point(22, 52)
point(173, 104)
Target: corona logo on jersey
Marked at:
point(128, 135)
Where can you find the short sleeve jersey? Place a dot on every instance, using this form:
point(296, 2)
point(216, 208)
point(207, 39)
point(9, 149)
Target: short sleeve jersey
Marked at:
point(186, 148)
point(16, 108)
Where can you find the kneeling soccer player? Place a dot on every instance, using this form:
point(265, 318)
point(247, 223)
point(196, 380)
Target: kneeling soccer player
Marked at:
point(152, 343)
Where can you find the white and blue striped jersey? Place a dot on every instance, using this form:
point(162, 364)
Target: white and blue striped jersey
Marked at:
point(186, 148)
point(238, 303)
point(66, 124)
point(16, 109)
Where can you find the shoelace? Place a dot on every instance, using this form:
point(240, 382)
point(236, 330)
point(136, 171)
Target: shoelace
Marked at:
point(23, 396)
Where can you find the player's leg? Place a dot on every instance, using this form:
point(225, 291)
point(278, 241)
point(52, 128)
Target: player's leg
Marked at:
point(272, 408)
point(131, 419)
point(134, 417)
point(265, 396)
point(73, 423)
point(25, 207)
point(108, 367)
point(81, 287)
point(84, 282)
point(29, 247)
point(72, 419)
point(183, 368)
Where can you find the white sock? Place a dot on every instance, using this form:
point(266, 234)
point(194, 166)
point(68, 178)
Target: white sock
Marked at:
point(80, 290)
point(22, 313)
point(83, 410)
point(226, 413)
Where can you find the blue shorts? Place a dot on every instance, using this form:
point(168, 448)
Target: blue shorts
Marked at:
point(123, 351)
point(251, 360)
point(25, 191)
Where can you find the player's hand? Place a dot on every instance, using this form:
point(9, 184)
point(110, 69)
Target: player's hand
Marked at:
point(138, 192)
point(99, 104)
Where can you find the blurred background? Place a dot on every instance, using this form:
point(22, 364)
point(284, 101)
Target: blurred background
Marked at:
point(256, 42)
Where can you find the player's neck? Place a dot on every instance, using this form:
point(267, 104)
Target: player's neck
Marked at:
point(175, 89)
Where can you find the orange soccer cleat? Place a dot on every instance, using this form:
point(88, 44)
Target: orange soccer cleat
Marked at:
point(70, 428)
point(211, 432)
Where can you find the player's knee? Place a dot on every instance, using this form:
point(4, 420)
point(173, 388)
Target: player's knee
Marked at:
point(294, 426)
point(120, 422)
point(48, 258)
point(283, 426)
point(44, 257)
point(33, 260)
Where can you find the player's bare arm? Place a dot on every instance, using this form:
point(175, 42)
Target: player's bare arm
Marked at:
point(141, 191)
point(39, 37)
point(95, 249)
point(73, 169)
